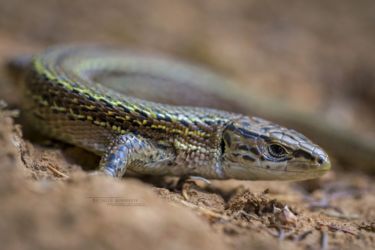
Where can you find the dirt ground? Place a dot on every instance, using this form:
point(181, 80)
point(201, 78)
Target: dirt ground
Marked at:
point(312, 54)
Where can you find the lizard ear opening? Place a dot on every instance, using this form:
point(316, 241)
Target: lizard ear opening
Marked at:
point(222, 146)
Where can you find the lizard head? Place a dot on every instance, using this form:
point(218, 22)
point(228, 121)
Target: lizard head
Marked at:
point(255, 149)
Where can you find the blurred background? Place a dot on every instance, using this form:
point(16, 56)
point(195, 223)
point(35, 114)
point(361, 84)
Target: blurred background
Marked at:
point(314, 56)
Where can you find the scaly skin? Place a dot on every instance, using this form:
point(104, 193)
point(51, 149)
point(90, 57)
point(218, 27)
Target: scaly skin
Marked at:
point(69, 98)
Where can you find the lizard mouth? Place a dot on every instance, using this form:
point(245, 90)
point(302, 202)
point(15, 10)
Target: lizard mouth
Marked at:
point(260, 173)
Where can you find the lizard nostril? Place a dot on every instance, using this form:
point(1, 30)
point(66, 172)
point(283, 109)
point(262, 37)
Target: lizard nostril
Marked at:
point(320, 160)
point(324, 162)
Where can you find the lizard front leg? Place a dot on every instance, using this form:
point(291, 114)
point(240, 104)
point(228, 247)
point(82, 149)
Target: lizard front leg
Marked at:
point(130, 150)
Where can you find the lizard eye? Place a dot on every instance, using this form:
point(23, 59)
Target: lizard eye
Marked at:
point(277, 151)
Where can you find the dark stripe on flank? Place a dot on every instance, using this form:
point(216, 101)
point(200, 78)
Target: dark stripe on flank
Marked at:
point(185, 123)
point(209, 123)
point(90, 97)
point(141, 113)
point(125, 109)
point(166, 118)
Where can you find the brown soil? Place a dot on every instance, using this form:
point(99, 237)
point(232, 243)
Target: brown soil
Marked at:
point(315, 54)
